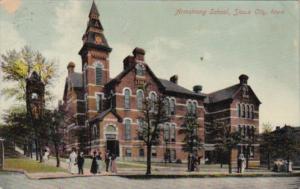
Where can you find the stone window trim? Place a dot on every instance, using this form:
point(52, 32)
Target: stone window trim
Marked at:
point(139, 99)
point(127, 97)
point(127, 128)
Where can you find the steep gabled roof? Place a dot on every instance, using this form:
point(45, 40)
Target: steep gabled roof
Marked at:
point(163, 84)
point(226, 94)
point(75, 80)
point(101, 116)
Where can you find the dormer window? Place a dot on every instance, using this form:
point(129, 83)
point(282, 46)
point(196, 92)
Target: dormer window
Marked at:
point(140, 69)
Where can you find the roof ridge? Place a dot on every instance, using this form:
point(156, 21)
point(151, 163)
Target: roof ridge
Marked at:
point(222, 89)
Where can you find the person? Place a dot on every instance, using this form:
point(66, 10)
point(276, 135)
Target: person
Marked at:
point(72, 162)
point(241, 163)
point(113, 163)
point(94, 167)
point(98, 159)
point(46, 155)
point(107, 159)
point(197, 162)
point(80, 163)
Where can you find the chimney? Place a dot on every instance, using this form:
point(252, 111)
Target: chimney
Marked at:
point(174, 79)
point(138, 54)
point(243, 79)
point(128, 62)
point(71, 67)
point(197, 89)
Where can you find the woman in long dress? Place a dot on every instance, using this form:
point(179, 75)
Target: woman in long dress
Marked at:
point(113, 164)
point(72, 162)
point(94, 167)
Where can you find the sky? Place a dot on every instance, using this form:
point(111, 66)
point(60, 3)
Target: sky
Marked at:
point(263, 43)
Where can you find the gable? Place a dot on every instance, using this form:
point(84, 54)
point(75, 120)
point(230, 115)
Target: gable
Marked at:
point(246, 94)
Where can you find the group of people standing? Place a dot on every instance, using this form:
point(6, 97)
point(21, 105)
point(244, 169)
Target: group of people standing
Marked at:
point(194, 161)
point(76, 162)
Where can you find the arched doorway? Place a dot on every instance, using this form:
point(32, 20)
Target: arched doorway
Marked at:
point(112, 143)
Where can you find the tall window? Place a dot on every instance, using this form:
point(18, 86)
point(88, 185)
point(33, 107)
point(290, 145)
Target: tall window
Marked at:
point(95, 131)
point(239, 109)
point(153, 100)
point(194, 107)
point(189, 107)
point(139, 99)
point(140, 69)
point(252, 112)
point(84, 75)
point(99, 102)
point(140, 128)
point(243, 110)
point(173, 133)
point(167, 106)
point(127, 99)
point(86, 102)
point(247, 111)
point(167, 132)
point(172, 106)
point(99, 75)
point(127, 129)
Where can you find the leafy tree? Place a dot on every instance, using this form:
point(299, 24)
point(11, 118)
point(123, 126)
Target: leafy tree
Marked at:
point(153, 116)
point(190, 129)
point(225, 138)
point(267, 139)
point(18, 65)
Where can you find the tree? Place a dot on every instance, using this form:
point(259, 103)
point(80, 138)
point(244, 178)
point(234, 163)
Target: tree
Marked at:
point(192, 140)
point(225, 138)
point(153, 116)
point(17, 66)
point(267, 140)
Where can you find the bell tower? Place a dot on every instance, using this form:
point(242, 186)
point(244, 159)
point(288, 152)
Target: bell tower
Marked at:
point(95, 61)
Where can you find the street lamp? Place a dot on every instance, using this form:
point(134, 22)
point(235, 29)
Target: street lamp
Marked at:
point(2, 156)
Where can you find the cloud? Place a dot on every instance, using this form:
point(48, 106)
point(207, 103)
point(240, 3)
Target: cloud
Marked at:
point(10, 6)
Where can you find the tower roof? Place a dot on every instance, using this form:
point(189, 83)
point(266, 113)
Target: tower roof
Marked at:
point(94, 10)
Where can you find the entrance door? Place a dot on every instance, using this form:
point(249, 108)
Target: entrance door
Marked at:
point(113, 146)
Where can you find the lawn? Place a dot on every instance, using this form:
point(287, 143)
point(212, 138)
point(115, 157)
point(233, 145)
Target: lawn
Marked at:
point(31, 166)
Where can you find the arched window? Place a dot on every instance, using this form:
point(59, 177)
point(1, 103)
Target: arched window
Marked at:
point(167, 132)
point(239, 109)
point(243, 110)
point(99, 75)
point(167, 106)
point(252, 112)
point(127, 123)
point(194, 107)
point(189, 107)
point(173, 133)
point(172, 106)
point(247, 111)
point(140, 70)
point(99, 102)
point(139, 99)
point(127, 99)
point(153, 99)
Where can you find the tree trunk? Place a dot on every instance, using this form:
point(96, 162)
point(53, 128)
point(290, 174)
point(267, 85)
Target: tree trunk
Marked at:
point(36, 150)
point(148, 172)
point(57, 155)
point(268, 161)
point(229, 162)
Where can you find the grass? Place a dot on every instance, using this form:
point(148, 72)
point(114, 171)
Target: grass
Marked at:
point(31, 166)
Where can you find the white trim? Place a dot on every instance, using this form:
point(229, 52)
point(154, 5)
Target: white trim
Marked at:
point(123, 91)
point(109, 119)
point(94, 85)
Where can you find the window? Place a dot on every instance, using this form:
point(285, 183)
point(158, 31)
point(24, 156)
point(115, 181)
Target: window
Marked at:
point(189, 107)
point(251, 151)
point(127, 99)
point(139, 99)
point(95, 131)
point(194, 109)
point(153, 153)
point(127, 129)
point(252, 112)
point(140, 70)
point(167, 132)
point(141, 152)
point(173, 133)
point(140, 129)
point(239, 110)
point(99, 102)
point(167, 106)
point(128, 152)
point(84, 75)
point(98, 71)
point(247, 111)
point(173, 154)
point(172, 106)
point(243, 110)
point(240, 130)
point(152, 100)
point(86, 102)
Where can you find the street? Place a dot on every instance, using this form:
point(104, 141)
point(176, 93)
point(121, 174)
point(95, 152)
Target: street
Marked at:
point(19, 181)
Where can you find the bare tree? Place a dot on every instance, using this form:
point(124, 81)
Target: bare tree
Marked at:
point(153, 116)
